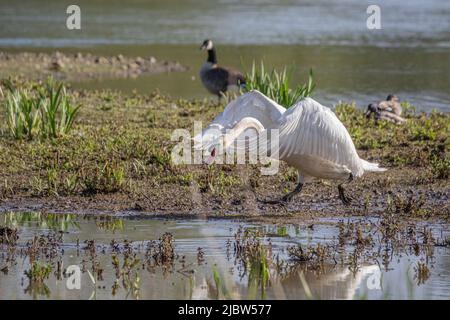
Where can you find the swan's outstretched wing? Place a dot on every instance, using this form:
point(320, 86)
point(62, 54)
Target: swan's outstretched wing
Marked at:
point(251, 104)
point(308, 128)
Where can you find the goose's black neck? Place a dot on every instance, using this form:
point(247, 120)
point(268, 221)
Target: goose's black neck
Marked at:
point(212, 56)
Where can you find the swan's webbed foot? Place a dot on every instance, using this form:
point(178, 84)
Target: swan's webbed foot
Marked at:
point(290, 195)
point(346, 200)
point(287, 198)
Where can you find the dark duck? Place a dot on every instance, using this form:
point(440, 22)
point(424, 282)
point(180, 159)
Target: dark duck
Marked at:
point(389, 110)
point(216, 79)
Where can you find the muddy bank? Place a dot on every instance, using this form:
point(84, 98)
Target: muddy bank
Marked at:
point(117, 159)
point(81, 66)
point(372, 196)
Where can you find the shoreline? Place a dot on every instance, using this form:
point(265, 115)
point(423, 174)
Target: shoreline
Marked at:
point(82, 66)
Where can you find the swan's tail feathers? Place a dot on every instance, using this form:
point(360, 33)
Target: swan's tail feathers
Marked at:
point(371, 166)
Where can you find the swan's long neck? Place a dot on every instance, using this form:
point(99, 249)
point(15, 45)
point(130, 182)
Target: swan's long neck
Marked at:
point(241, 126)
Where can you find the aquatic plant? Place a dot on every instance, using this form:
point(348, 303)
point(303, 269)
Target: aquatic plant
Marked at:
point(127, 272)
point(313, 256)
point(22, 114)
point(8, 236)
point(53, 221)
point(256, 259)
point(275, 84)
point(220, 288)
point(422, 273)
point(110, 224)
point(161, 253)
point(58, 114)
point(44, 111)
point(38, 272)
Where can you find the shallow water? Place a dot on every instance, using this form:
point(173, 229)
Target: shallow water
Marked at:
point(409, 56)
point(190, 278)
point(363, 75)
point(318, 22)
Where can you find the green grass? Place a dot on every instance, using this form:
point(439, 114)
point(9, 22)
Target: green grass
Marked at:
point(440, 167)
point(22, 114)
point(44, 111)
point(58, 114)
point(276, 84)
point(121, 158)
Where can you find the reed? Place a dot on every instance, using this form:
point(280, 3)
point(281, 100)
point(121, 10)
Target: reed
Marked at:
point(43, 111)
point(276, 84)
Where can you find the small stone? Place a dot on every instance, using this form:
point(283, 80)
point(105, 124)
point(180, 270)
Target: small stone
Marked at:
point(58, 55)
point(56, 65)
point(101, 60)
point(139, 61)
point(133, 66)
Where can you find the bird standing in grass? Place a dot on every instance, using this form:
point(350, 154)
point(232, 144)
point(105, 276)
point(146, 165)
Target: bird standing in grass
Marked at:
point(389, 109)
point(311, 139)
point(218, 80)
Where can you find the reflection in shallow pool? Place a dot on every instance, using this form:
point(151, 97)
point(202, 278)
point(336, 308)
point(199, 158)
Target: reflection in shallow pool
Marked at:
point(208, 259)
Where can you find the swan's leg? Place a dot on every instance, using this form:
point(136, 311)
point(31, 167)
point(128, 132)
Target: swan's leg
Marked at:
point(346, 200)
point(296, 191)
point(289, 196)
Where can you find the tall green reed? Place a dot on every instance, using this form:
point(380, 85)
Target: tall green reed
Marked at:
point(44, 111)
point(276, 84)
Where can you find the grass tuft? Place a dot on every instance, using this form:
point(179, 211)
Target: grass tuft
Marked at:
point(43, 111)
point(275, 84)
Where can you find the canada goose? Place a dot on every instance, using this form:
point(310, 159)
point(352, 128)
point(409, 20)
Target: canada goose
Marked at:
point(218, 80)
point(312, 140)
point(389, 110)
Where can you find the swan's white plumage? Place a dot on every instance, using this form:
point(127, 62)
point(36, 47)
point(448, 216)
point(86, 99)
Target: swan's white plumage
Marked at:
point(310, 129)
point(252, 104)
point(311, 138)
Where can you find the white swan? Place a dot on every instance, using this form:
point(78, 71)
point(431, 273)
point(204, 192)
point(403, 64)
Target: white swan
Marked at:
point(251, 104)
point(312, 140)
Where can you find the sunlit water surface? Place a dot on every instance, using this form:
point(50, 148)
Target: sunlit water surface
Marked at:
point(190, 278)
point(409, 56)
